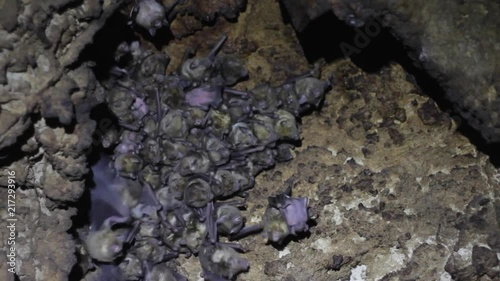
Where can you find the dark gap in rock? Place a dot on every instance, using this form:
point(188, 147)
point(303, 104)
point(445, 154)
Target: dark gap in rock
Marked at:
point(323, 36)
point(6, 155)
point(161, 37)
point(54, 123)
point(284, 14)
point(70, 5)
point(490, 149)
point(102, 50)
point(77, 272)
point(79, 222)
point(81, 219)
point(372, 47)
point(235, 19)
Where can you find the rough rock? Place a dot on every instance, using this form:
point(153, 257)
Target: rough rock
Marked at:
point(389, 177)
point(46, 95)
point(398, 193)
point(45, 251)
point(456, 42)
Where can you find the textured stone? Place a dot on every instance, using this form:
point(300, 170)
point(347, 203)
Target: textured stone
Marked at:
point(398, 192)
point(456, 42)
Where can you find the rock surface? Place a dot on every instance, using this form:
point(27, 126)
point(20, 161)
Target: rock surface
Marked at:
point(456, 42)
point(395, 187)
point(397, 191)
point(46, 96)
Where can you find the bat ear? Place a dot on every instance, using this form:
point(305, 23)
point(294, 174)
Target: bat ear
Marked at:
point(106, 201)
point(147, 196)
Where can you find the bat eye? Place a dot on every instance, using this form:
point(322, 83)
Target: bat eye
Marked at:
point(116, 248)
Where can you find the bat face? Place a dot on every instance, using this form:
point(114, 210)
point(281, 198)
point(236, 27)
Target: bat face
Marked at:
point(229, 220)
point(276, 228)
point(221, 262)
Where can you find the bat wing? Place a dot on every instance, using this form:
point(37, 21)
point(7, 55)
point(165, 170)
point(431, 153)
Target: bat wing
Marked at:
point(106, 203)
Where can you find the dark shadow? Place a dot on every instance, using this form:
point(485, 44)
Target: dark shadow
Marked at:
point(80, 221)
point(68, 6)
point(101, 51)
point(370, 47)
point(490, 149)
point(313, 38)
point(330, 38)
point(284, 14)
point(6, 155)
point(161, 37)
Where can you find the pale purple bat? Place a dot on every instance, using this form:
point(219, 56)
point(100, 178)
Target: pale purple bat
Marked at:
point(139, 108)
point(105, 239)
point(204, 97)
point(294, 211)
point(106, 203)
